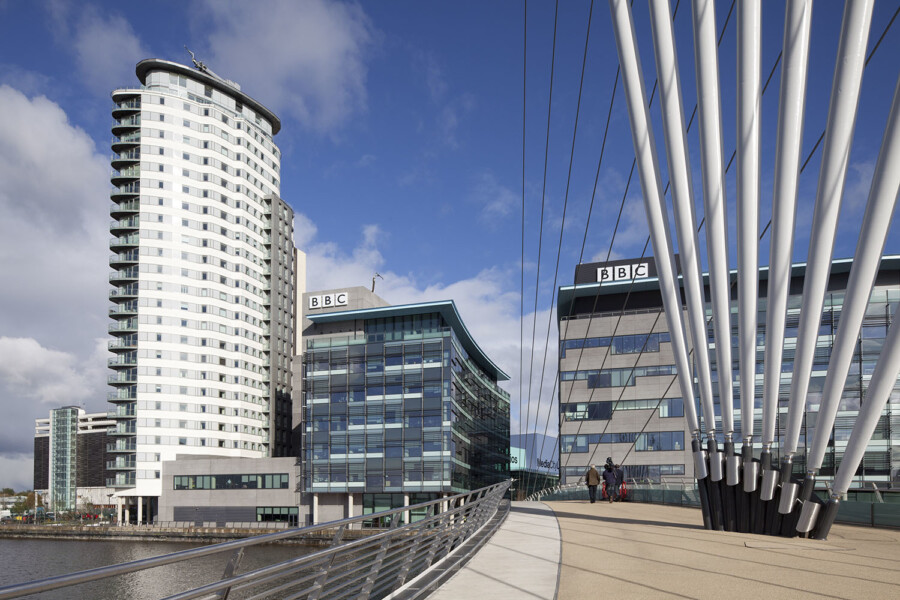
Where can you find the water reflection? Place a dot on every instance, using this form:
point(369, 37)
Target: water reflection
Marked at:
point(26, 560)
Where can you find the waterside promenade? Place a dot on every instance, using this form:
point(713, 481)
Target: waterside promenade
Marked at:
point(576, 550)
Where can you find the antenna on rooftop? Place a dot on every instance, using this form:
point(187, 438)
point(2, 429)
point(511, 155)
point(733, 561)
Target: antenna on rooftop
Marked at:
point(373, 280)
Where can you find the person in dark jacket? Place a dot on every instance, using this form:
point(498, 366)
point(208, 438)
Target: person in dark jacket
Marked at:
point(609, 478)
point(620, 479)
point(592, 479)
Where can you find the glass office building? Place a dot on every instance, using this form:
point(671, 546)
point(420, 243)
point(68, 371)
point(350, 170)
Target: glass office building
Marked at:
point(619, 396)
point(400, 405)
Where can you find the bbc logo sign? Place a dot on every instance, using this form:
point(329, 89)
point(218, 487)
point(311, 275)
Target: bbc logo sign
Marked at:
point(328, 300)
point(623, 272)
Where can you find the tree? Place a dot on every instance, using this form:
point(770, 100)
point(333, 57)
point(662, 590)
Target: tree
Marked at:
point(7, 492)
point(23, 506)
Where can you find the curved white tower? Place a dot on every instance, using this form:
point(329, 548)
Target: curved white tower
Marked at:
point(202, 281)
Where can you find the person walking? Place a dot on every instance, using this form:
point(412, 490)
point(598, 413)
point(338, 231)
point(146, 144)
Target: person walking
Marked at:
point(620, 479)
point(609, 478)
point(592, 479)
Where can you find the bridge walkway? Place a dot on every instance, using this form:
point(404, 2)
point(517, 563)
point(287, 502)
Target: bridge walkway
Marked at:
point(631, 550)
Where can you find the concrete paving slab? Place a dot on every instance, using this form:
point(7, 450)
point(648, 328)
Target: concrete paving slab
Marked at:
point(520, 561)
point(630, 550)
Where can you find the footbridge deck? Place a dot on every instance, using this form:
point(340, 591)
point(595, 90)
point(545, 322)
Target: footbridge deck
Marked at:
point(629, 550)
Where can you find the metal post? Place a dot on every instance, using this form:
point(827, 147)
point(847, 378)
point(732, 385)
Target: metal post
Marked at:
point(411, 554)
point(682, 195)
point(648, 169)
point(835, 159)
point(230, 568)
point(706, 61)
point(319, 584)
point(366, 589)
point(797, 20)
point(748, 124)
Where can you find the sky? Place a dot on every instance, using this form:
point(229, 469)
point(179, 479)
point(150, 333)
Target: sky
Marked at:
point(402, 154)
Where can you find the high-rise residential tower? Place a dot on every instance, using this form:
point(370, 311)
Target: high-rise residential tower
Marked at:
point(202, 277)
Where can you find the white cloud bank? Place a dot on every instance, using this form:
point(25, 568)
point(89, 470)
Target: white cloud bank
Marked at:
point(104, 45)
point(54, 229)
point(306, 59)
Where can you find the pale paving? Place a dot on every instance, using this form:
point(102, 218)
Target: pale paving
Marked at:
point(630, 550)
point(521, 560)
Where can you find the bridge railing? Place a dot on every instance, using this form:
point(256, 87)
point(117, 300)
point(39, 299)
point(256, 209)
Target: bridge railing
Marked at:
point(372, 566)
point(857, 510)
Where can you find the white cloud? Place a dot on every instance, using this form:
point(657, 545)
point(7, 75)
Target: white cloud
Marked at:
point(17, 471)
point(365, 160)
point(451, 109)
point(303, 59)
point(29, 82)
point(434, 76)
point(105, 46)
point(496, 201)
point(33, 380)
point(30, 371)
point(857, 185)
point(54, 197)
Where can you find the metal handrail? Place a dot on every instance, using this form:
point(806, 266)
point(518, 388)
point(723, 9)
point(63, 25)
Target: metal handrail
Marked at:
point(371, 566)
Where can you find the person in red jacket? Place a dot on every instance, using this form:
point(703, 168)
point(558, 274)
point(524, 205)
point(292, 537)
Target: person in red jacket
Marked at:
point(620, 479)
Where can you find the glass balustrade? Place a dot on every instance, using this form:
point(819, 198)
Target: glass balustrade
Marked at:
point(122, 446)
point(131, 138)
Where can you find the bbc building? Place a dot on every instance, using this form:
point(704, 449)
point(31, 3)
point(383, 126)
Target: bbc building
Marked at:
point(618, 393)
point(397, 405)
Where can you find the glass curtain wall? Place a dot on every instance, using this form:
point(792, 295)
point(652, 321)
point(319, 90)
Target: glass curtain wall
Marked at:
point(402, 411)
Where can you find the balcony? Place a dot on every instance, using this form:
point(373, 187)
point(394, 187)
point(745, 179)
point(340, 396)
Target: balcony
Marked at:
point(120, 142)
point(123, 343)
point(119, 175)
point(124, 241)
point(125, 123)
point(127, 428)
point(124, 360)
point(123, 208)
point(126, 291)
point(121, 462)
point(125, 479)
point(127, 274)
point(126, 106)
point(127, 395)
point(126, 308)
point(124, 326)
point(122, 225)
point(129, 189)
point(123, 411)
point(125, 159)
point(122, 379)
point(122, 446)
point(123, 258)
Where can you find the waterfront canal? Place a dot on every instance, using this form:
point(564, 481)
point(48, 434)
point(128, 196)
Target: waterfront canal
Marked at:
point(24, 560)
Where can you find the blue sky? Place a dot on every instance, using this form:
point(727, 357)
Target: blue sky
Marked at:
point(402, 154)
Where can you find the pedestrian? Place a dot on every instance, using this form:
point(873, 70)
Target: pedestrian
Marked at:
point(592, 479)
point(620, 479)
point(609, 479)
